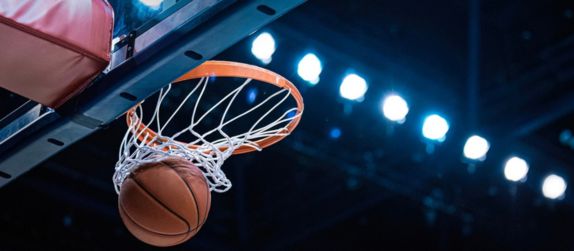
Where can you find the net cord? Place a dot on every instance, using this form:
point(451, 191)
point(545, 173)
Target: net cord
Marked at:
point(137, 146)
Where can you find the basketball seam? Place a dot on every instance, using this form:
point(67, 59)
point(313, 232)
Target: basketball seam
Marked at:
point(135, 224)
point(190, 190)
point(161, 203)
point(153, 232)
point(208, 204)
point(144, 228)
point(199, 222)
point(173, 166)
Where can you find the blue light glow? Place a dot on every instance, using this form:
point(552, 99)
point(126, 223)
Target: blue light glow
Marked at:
point(251, 95)
point(291, 114)
point(335, 133)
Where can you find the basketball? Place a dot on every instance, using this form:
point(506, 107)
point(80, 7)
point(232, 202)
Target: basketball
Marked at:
point(165, 203)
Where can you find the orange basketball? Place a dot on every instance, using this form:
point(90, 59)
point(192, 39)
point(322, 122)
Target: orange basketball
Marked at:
point(165, 203)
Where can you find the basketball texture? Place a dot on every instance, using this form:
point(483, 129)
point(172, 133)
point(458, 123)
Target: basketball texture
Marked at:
point(165, 203)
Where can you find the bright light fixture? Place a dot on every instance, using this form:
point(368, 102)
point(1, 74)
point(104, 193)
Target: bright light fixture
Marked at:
point(152, 3)
point(309, 68)
point(476, 148)
point(263, 47)
point(353, 87)
point(515, 169)
point(435, 128)
point(395, 108)
point(553, 187)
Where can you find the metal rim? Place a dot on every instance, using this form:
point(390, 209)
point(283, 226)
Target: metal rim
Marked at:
point(239, 70)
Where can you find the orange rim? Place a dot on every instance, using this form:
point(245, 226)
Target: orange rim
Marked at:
point(232, 69)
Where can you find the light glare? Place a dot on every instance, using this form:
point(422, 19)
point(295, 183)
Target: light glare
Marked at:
point(476, 148)
point(152, 3)
point(515, 169)
point(251, 95)
point(335, 133)
point(553, 187)
point(395, 108)
point(353, 87)
point(435, 128)
point(263, 47)
point(309, 68)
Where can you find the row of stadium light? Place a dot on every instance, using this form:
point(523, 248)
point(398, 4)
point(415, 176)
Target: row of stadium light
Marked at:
point(395, 108)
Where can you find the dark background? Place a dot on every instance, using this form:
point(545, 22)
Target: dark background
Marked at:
point(503, 69)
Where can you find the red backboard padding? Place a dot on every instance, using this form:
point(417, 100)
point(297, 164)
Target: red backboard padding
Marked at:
point(51, 49)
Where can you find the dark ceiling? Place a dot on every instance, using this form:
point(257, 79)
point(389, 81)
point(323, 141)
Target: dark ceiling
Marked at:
point(504, 69)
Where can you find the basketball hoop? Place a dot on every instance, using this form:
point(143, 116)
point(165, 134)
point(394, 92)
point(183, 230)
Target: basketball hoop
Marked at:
point(208, 148)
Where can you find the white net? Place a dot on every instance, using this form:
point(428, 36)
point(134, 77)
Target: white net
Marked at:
point(209, 148)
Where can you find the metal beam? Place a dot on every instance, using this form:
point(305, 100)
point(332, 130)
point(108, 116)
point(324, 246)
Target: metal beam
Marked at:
point(139, 77)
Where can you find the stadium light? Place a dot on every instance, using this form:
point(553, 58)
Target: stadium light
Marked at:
point(353, 87)
point(395, 108)
point(553, 187)
point(515, 169)
point(309, 68)
point(263, 47)
point(476, 148)
point(152, 3)
point(435, 128)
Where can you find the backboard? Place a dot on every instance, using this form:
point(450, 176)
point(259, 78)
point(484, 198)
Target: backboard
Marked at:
point(154, 43)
